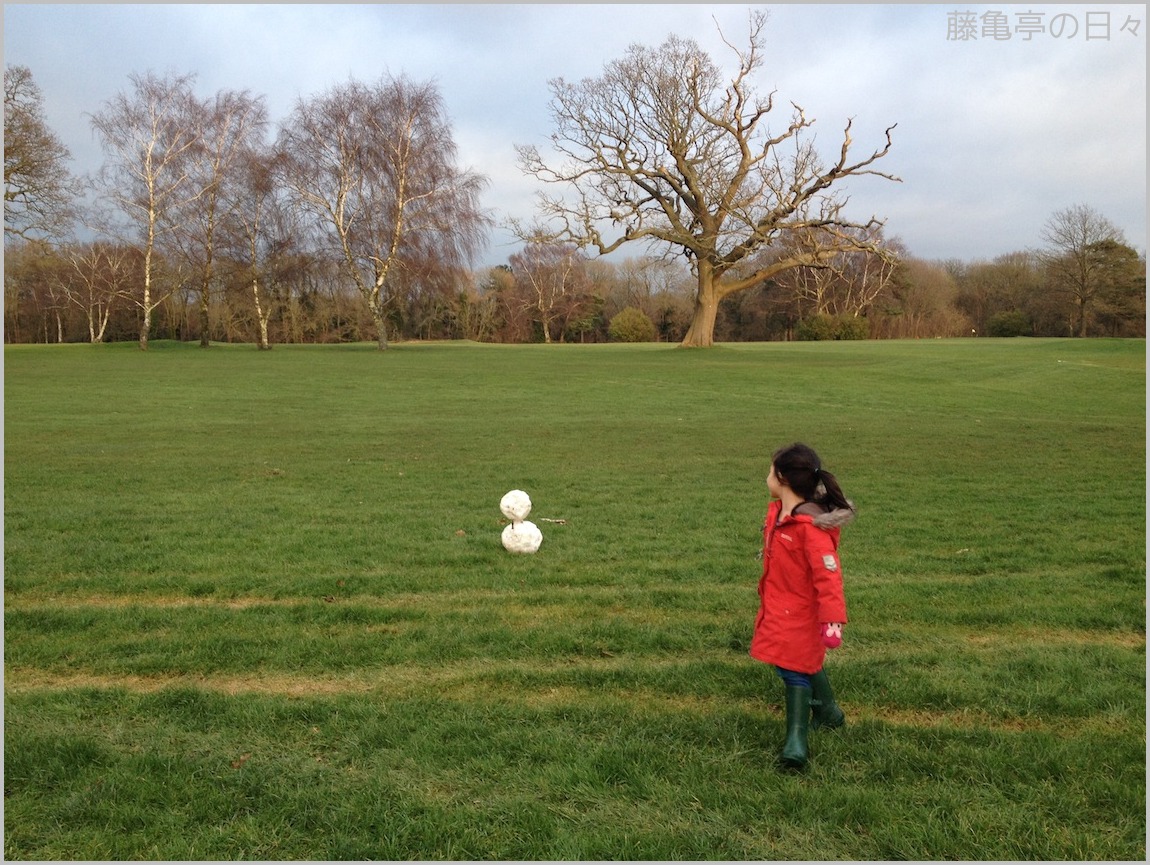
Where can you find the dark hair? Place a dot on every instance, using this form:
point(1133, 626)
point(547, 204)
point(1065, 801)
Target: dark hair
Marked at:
point(801, 469)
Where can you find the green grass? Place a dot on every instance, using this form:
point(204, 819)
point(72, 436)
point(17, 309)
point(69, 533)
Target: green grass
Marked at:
point(256, 606)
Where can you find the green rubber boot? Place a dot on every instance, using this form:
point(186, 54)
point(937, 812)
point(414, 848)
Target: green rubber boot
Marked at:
point(794, 753)
point(825, 712)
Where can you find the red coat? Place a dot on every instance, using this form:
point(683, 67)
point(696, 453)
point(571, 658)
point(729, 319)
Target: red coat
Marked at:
point(801, 587)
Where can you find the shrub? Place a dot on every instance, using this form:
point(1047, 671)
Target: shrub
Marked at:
point(818, 327)
point(815, 327)
point(852, 327)
point(1013, 323)
point(632, 325)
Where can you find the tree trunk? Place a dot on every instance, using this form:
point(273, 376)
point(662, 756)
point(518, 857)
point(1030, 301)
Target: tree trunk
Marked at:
point(380, 327)
point(205, 320)
point(206, 297)
point(147, 307)
point(701, 333)
point(105, 315)
point(260, 317)
point(146, 325)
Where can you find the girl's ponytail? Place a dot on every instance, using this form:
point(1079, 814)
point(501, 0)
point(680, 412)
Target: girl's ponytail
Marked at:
point(829, 494)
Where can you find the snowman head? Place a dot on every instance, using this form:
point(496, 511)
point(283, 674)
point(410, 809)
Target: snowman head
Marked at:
point(516, 505)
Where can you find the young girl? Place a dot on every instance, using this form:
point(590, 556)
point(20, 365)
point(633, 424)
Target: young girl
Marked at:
point(802, 608)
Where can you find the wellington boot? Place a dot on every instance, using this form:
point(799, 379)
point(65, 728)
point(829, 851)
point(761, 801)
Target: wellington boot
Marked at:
point(794, 753)
point(825, 712)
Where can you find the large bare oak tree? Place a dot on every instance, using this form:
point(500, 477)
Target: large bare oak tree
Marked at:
point(660, 150)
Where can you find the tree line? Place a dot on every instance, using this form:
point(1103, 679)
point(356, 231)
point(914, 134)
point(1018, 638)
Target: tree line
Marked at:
point(82, 292)
point(354, 222)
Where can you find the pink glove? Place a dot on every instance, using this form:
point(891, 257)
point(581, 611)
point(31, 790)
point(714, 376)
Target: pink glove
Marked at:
point(832, 634)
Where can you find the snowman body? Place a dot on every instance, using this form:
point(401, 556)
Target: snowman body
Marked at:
point(520, 535)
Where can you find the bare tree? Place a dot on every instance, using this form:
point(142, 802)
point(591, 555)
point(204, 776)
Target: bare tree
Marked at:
point(661, 150)
point(102, 274)
point(39, 191)
point(263, 233)
point(1075, 259)
point(35, 276)
point(375, 167)
point(845, 285)
point(651, 284)
point(811, 289)
point(478, 313)
point(148, 137)
point(920, 304)
point(550, 276)
point(867, 277)
point(226, 126)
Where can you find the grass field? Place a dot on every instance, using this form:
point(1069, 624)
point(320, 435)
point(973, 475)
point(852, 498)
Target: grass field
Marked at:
point(256, 605)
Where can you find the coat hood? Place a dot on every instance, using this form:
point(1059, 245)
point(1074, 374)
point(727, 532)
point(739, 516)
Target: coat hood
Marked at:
point(834, 519)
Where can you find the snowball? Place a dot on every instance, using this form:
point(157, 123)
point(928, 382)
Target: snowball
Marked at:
point(516, 505)
point(522, 537)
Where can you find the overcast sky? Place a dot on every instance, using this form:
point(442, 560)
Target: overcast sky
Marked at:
point(994, 134)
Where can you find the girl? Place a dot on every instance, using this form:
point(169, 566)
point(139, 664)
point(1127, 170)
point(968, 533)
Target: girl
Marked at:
point(802, 608)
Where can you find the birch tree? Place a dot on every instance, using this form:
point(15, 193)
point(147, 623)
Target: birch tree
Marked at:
point(148, 135)
point(658, 150)
point(227, 126)
point(374, 166)
point(101, 276)
point(551, 278)
point(263, 233)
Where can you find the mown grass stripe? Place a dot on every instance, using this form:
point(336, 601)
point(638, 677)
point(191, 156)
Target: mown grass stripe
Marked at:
point(456, 688)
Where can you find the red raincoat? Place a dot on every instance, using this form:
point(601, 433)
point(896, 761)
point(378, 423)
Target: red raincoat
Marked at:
point(801, 588)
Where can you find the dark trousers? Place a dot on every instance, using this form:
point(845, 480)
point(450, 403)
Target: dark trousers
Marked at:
point(790, 677)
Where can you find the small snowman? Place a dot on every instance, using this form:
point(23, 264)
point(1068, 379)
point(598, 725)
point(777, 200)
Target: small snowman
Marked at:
point(520, 535)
